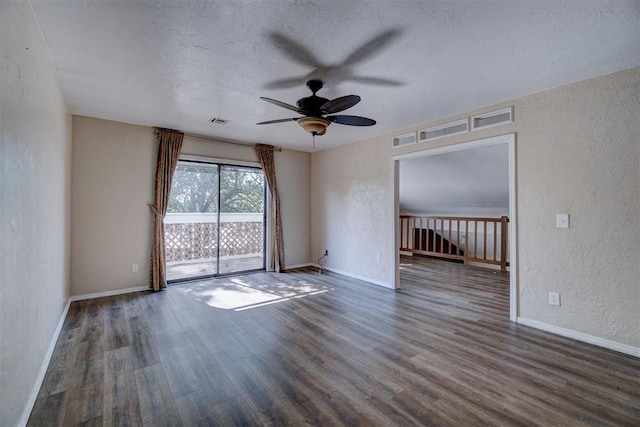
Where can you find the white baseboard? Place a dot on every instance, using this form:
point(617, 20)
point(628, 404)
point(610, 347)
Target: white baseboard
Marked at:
point(109, 293)
point(590, 339)
point(26, 412)
point(354, 276)
point(291, 267)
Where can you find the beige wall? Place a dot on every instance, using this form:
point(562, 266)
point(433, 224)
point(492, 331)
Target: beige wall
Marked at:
point(220, 150)
point(293, 174)
point(351, 210)
point(113, 173)
point(35, 164)
point(577, 152)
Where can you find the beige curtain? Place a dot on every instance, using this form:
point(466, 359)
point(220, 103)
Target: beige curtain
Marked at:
point(169, 145)
point(265, 155)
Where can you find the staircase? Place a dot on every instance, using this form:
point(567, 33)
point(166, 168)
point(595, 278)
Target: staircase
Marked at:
point(429, 240)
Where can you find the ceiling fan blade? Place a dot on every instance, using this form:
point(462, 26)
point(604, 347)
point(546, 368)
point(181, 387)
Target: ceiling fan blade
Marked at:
point(286, 83)
point(376, 81)
point(340, 104)
point(295, 50)
point(371, 47)
point(292, 119)
point(281, 104)
point(351, 120)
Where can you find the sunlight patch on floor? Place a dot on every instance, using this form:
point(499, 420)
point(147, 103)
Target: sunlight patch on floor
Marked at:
point(238, 294)
point(404, 265)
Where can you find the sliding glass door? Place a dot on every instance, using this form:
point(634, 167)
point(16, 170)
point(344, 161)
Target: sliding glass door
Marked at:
point(215, 223)
point(242, 226)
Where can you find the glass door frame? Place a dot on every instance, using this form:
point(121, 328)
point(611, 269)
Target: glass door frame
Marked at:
point(220, 163)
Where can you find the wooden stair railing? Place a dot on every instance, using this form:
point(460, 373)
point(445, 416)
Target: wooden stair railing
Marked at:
point(457, 238)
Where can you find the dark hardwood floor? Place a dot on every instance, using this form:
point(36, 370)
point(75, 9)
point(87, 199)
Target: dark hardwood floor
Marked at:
point(303, 348)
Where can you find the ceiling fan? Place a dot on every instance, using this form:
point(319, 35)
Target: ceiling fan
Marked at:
point(318, 113)
point(332, 73)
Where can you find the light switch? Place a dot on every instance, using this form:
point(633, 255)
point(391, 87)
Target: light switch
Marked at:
point(562, 220)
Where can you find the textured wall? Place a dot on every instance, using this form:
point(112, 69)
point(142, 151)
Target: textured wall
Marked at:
point(293, 170)
point(35, 164)
point(577, 152)
point(113, 174)
point(351, 209)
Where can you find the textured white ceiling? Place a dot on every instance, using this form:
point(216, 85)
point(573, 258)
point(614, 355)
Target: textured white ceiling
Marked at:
point(473, 181)
point(178, 63)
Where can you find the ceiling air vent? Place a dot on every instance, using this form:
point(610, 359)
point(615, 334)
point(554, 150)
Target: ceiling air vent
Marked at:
point(493, 118)
point(406, 139)
point(218, 121)
point(447, 129)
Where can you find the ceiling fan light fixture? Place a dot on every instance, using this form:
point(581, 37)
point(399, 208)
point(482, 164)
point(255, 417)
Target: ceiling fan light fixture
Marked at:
point(314, 125)
point(314, 108)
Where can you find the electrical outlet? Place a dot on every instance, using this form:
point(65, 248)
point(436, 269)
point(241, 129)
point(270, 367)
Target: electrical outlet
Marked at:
point(134, 268)
point(562, 220)
point(554, 298)
point(379, 256)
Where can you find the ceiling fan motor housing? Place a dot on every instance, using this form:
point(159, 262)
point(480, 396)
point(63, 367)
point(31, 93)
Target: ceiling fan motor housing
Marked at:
point(311, 105)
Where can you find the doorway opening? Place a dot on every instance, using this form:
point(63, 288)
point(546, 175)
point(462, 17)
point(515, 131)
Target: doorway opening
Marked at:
point(436, 205)
point(215, 222)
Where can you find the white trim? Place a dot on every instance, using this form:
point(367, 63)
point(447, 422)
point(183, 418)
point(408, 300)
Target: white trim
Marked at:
point(192, 158)
point(109, 293)
point(464, 121)
point(509, 139)
point(306, 264)
point(395, 141)
point(580, 336)
point(354, 276)
point(395, 208)
point(33, 395)
point(476, 143)
point(492, 114)
point(513, 246)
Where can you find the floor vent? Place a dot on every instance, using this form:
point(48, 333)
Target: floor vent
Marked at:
point(447, 129)
point(493, 118)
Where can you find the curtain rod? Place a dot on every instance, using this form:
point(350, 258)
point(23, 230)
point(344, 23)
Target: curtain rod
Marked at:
point(208, 138)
